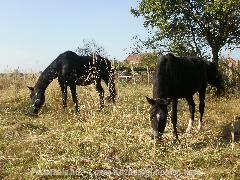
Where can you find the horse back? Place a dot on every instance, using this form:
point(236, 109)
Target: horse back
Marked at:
point(179, 76)
point(82, 69)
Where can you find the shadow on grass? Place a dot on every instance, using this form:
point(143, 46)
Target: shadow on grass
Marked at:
point(199, 145)
point(231, 131)
point(32, 127)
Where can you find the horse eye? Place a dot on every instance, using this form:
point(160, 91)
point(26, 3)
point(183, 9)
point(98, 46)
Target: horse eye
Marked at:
point(37, 103)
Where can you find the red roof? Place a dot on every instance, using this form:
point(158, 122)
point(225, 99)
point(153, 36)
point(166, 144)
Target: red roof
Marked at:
point(135, 59)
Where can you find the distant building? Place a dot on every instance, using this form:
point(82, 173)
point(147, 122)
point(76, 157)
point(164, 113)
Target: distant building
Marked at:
point(135, 59)
point(232, 63)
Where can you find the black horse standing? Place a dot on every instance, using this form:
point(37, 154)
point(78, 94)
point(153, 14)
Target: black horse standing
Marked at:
point(72, 70)
point(180, 77)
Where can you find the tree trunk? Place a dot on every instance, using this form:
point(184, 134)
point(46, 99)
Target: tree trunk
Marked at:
point(215, 59)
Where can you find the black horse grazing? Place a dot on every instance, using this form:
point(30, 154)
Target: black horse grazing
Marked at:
point(72, 70)
point(180, 77)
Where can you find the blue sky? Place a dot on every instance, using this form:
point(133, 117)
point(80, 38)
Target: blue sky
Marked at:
point(33, 33)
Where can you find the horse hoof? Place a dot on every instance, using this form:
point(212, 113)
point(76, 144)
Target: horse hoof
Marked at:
point(190, 125)
point(32, 115)
point(176, 141)
point(157, 138)
point(199, 128)
point(65, 109)
point(108, 99)
point(100, 110)
point(77, 111)
point(188, 130)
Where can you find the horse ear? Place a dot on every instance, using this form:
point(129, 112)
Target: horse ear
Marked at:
point(151, 101)
point(30, 88)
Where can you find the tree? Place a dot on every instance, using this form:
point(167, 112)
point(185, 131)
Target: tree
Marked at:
point(149, 60)
point(89, 47)
point(195, 24)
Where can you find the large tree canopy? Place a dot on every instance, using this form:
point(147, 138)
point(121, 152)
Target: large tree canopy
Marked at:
point(192, 24)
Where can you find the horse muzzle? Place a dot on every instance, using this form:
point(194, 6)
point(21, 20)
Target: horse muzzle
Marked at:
point(33, 112)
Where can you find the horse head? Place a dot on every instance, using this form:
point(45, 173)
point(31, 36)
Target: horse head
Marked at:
point(158, 115)
point(37, 100)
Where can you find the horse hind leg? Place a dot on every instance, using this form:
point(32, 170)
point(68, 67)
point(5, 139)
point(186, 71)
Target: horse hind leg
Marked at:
point(201, 109)
point(174, 117)
point(192, 111)
point(111, 86)
point(112, 91)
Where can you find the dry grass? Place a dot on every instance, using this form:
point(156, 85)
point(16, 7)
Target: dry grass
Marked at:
point(113, 143)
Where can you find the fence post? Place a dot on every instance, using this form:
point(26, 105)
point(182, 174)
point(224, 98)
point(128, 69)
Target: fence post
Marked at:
point(118, 75)
point(148, 74)
point(133, 74)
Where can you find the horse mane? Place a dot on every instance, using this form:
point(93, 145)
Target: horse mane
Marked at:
point(47, 76)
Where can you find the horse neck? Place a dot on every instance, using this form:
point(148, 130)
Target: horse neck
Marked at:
point(46, 78)
point(158, 85)
point(157, 93)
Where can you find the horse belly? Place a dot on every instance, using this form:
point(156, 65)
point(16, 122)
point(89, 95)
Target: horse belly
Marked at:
point(181, 91)
point(85, 80)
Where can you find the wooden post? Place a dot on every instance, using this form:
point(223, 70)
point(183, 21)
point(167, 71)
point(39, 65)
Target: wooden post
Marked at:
point(133, 74)
point(148, 74)
point(232, 134)
point(118, 74)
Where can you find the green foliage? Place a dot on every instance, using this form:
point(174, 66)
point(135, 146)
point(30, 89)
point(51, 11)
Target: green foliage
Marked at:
point(231, 80)
point(231, 77)
point(89, 47)
point(201, 23)
point(149, 60)
point(182, 49)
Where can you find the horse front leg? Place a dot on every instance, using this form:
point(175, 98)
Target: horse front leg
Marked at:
point(201, 108)
point(174, 116)
point(100, 91)
point(192, 111)
point(73, 89)
point(63, 87)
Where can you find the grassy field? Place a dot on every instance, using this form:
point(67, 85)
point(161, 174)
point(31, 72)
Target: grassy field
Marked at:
point(113, 143)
